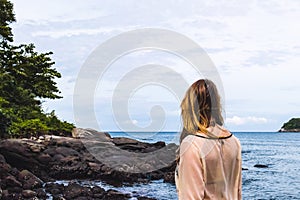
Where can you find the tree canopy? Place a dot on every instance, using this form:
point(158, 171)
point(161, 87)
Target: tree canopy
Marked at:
point(26, 78)
point(292, 124)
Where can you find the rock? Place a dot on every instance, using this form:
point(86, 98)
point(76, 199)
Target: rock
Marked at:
point(118, 141)
point(18, 154)
point(51, 150)
point(137, 146)
point(36, 148)
point(169, 177)
point(54, 188)
point(11, 181)
point(96, 167)
point(58, 197)
point(261, 166)
point(14, 171)
point(114, 194)
point(74, 190)
point(28, 193)
point(90, 133)
point(40, 193)
point(55, 191)
point(2, 159)
point(29, 180)
point(57, 158)
point(14, 190)
point(4, 168)
point(115, 160)
point(70, 160)
point(145, 198)
point(65, 151)
point(5, 194)
point(98, 192)
point(44, 158)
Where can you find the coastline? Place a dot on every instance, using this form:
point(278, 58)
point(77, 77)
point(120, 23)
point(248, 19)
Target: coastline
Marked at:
point(296, 130)
point(50, 158)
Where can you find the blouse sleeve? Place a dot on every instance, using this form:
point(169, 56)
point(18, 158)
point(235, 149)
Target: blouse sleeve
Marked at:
point(190, 173)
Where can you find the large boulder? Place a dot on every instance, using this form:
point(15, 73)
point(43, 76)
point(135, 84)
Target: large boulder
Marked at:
point(83, 133)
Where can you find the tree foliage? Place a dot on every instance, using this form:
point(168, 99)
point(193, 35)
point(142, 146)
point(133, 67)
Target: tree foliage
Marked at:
point(293, 123)
point(26, 78)
point(6, 17)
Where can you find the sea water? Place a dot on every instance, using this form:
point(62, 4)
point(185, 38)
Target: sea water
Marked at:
point(280, 152)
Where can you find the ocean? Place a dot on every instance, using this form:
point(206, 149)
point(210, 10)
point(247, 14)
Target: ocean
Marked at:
point(280, 152)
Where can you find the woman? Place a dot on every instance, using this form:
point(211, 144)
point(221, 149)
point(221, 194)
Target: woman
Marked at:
point(209, 158)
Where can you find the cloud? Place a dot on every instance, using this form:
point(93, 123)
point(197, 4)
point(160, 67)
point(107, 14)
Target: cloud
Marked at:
point(254, 45)
point(80, 31)
point(235, 120)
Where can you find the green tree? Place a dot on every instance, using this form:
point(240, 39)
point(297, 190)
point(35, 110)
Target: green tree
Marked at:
point(26, 78)
point(6, 17)
point(293, 123)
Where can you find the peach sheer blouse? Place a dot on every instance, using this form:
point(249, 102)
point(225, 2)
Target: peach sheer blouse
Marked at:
point(209, 168)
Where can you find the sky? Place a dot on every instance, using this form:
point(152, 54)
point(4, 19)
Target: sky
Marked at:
point(253, 44)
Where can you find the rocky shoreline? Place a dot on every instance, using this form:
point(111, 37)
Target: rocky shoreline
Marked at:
point(295, 130)
point(29, 167)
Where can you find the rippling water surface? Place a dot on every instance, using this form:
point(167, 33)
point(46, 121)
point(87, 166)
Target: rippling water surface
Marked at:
point(279, 151)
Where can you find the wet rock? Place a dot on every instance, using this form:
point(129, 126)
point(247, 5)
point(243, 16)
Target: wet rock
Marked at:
point(54, 188)
point(261, 166)
point(97, 190)
point(74, 190)
point(58, 197)
point(169, 177)
point(40, 193)
point(28, 193)
point(114, 194)
point(145, 198)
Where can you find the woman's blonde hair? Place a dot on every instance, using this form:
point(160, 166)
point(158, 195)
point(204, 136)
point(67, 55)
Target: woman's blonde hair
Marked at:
point(200, 108)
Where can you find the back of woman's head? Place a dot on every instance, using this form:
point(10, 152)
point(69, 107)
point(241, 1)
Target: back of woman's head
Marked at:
point(200, 108)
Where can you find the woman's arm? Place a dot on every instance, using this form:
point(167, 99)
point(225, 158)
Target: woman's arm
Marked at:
point(190, 171)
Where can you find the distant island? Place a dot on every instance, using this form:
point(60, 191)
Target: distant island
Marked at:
point(293, 125)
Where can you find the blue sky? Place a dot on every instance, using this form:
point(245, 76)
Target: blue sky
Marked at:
point(254, 45)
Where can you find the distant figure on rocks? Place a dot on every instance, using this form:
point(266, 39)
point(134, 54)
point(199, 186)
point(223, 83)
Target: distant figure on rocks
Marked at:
point(209, 156)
